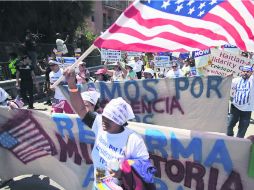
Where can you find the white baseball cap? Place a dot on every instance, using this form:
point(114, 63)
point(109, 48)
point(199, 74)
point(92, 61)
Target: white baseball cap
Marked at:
point(149, 70)
point(91, 96)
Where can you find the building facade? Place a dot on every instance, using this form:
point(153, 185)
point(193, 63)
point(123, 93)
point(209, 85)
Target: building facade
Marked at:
point(105, 14)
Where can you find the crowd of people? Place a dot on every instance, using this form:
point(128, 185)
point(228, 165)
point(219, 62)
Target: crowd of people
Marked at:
point(109, 124)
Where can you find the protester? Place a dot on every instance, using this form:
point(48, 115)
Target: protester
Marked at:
point(175, 72)
point(25, 72)
point(5, 102)
point(90, 99)
point(242, 102)
point(61, 44)
point(193, 70)
point(46, 70)
point(110, 131)
point(118, 73)
point(186, 67)
point(131, 74)
point(101, 75)
point(83, 74)
point(59, 103)
point(148, 73)
point(138, 67)
point(12, 64)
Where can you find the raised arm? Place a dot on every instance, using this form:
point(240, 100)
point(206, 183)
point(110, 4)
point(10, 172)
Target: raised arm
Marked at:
point(125, 72)
point(75, 97)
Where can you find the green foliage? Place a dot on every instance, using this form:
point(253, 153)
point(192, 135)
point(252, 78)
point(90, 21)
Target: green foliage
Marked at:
point(44, 17)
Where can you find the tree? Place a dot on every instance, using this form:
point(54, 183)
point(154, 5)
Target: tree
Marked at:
point(44, 17)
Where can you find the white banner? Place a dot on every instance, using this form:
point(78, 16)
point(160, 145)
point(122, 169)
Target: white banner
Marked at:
point(186, 103)
point(184, 159)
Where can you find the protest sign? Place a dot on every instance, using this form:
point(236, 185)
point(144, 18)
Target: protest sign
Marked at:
point(224, 63)
point(133, 54)
point(59, 146)
point(162, 61)
point(66, 61)
point(110, 55)
point(187, 103)
point(231, 48)
point(201, 57)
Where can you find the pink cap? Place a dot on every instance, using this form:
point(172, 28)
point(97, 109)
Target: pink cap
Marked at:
point(100, 71)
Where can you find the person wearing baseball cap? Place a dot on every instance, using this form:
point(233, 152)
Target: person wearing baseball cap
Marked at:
point(90, 99)
point(148, 73)
point(131, 74)
point(101, 75)
point(59, 102)
point(83, 74)
point(118, 73)
point(242, 102)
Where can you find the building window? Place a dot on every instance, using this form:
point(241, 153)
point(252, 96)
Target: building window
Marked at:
point(92, 18)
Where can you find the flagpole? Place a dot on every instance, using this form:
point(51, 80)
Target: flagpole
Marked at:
point(83, 56)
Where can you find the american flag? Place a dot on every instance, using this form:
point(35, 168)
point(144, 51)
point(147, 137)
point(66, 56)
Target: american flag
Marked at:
point(25, 138)
point(181, 26)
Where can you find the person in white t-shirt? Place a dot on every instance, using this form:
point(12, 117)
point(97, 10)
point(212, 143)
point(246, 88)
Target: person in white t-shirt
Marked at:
point(114, 142)
point(242, 90)
point(59, 103)
point(175, 72)
point(118, 73)
point(138, 67)
point(61, 44)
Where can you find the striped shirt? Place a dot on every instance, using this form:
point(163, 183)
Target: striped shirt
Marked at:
point(243, 92)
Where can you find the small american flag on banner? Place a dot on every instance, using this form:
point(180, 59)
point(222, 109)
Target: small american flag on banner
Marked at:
point(25, 138)
point(181, 26)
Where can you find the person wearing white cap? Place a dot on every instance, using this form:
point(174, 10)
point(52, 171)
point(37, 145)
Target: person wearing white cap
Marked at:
point(118, 73)
point(59, 102)
point(131, 74)
point(148, 73)
point(83, 74)
point(242, 103)
point(113, 141)
point(90, 99)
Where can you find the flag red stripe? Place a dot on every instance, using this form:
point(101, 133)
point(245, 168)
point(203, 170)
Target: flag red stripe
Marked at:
point(249, 6)
point(115, 44)
point(32, 152)
point(150, 23)
point(28, 145)
point(34, 158)
point(46, 144)
point(165, 35)
point(228, 27)
point(235, 14)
